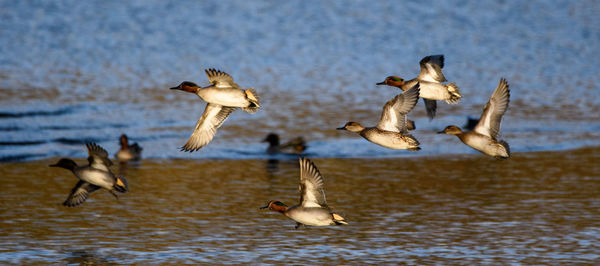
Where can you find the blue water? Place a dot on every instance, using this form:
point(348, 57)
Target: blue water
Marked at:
point(77, 71)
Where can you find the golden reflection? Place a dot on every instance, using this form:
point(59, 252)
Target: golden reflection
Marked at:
point(470, 203)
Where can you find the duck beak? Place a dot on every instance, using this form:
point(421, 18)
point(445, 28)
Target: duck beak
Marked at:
point(53, 165)
point(380, 83)
point(176, 88)
point(341, 128)
point(441, 132)
point(264, 207)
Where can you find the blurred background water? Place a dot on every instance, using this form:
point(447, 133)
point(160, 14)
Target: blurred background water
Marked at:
point(76, 71)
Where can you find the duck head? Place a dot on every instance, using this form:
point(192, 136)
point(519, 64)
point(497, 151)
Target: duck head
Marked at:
point(124, 142)
point(275, 205)
point(352, 126)
point(187, 86)
point(451, 130)
point(272, 139)
point(65, 163)
point(393, 81)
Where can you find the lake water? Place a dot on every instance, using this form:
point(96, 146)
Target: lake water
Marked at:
point(73, 72)
point(536, 208)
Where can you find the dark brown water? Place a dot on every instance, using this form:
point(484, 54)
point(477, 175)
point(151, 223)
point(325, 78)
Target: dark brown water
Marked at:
point(534, 208)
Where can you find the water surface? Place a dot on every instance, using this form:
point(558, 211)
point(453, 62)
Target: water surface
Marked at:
point(78, 71)
point(73, 71)
point(536, 208)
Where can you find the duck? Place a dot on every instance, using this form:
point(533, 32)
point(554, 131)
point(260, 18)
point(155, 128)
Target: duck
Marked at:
point(391, 132)
point(430, 78)
point(296, 145)
point(93, 176)
point(223, 96)
point(128, 152)
point(312, 209)
point(484, 136)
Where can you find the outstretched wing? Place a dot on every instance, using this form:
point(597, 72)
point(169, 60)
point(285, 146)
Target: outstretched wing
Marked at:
point(98, 157)
point(220, 79)
point(489, 123)
point(80, 193)
point(213, 117)
point(311, 185)
point(431, 68)
point(393, 116)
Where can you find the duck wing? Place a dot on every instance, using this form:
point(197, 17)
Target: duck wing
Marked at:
point(311, 185)
point(213, 117)
point(431, 68)
point(80, 193)
point(98, 157)
point(489, 123)
point(220, 79)
point(431, 107)
point(393, 116)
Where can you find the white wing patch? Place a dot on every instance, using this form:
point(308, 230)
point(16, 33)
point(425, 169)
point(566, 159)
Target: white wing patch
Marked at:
point(213, 117)
point(393, 116)
point(220, 79)
point(431, 69)
point(489, 123)
point(98, 157)
point(311, 185)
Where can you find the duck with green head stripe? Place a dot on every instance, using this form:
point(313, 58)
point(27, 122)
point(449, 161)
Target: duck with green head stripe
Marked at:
point(223, 96)
point(312, 208)
point(92, 177)
point(430, 79)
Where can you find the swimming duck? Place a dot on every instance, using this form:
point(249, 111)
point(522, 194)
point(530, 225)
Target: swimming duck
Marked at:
point(430, 78)
point(312, 209)
point(93, 176)
point(223, 96)
point(128, 152)
point(296, 145)
point(391, 132)
point(484, 136)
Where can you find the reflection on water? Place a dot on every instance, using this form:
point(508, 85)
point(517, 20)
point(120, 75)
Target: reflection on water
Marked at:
point(535, 208)
point(85, 257)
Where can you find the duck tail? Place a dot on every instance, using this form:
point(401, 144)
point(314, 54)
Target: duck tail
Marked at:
point(136, 147)
point(253, 98)
point(410, 125)
point(121, 184)
point(338, 219)
point(412, 142)
point(506, 147)
point(454, 91)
